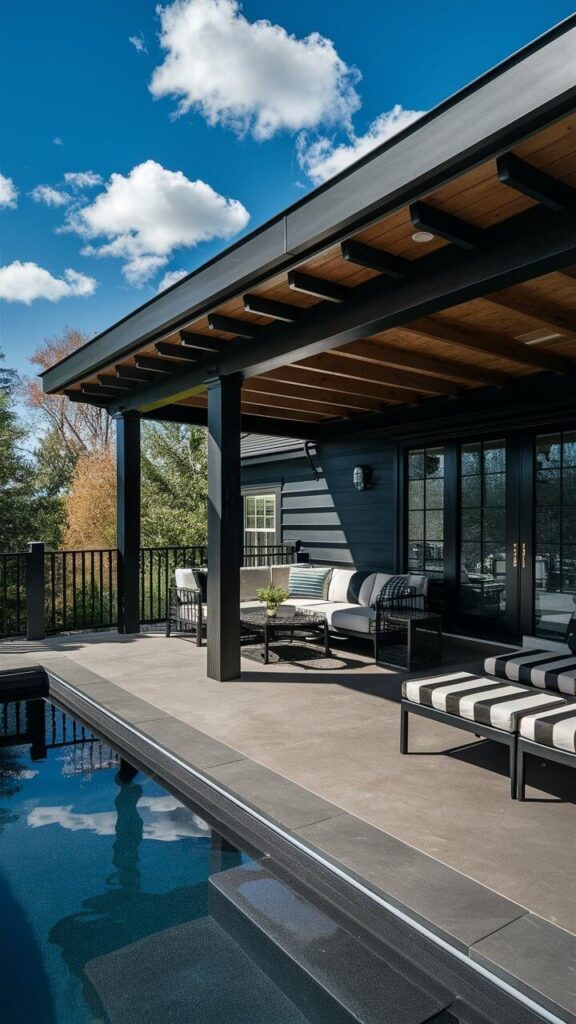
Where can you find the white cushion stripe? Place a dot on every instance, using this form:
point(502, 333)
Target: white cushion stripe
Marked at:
point(467, 703)
point(502, 715)
point(564, 734)
point(412, 687)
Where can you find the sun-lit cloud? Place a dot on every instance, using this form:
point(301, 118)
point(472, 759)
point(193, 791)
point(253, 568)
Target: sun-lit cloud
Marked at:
point(147, 214)
point(8, 193)
point(323, 158)
point(82, 179)
point(252, 77)
point(172, 277)
point(50, 196)
point(57, 141)
point(26, 282)
point(138, 42)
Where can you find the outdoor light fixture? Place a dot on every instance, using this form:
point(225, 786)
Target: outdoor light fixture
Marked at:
point(422, 236)
point(362, 477)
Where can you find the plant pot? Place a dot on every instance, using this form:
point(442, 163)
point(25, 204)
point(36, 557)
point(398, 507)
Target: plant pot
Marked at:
point(271, 610)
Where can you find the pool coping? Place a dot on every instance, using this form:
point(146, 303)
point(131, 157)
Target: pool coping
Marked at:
point(488, 935)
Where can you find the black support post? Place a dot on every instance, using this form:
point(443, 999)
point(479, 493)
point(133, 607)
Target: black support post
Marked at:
point(128, 520)
point(35, 609)
point(224, 528)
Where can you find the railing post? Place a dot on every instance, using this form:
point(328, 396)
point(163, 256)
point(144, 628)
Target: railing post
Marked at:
point(35, 623)
point(128, 520)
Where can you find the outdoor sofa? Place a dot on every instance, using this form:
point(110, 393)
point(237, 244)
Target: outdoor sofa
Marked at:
point(347, 597)
point(526, 700)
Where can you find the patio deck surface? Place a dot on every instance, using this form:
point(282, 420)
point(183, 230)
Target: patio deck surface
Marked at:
point(332, 727)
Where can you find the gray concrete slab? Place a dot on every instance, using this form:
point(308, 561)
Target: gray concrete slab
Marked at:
point(283, 801)
point(540, 959)
point(193, 746)
point(451, 905)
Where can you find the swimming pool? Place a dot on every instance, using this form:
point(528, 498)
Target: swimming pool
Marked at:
point(104, 890)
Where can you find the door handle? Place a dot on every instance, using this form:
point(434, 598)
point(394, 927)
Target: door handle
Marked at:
point(523, 555)
point(515, 555)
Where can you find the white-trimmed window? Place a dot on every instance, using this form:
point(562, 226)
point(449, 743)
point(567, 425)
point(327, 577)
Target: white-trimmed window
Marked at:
point(260, 520)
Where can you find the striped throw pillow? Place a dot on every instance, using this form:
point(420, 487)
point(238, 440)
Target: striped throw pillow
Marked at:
point(308, 582)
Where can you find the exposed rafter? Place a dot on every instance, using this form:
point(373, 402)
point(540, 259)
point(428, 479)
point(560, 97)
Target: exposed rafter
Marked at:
point(349, 386)
point(275, 310)
point(135, 373)
point(331, 291)
point(98, 390)
point(375, 259)
point(551, 319)
point(465, 372)
point(492, 343)
point(303, 404)
point(334, 396)
point(232, 325)
point(445, 225)
point(158, 365)
point(109, 381)
point(531, 181)
point(339, 366)
point(165, 348)
point(83, 399)
point(201, 343)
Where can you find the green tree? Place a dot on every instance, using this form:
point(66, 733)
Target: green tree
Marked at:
point(174, 484)
point(17, 490)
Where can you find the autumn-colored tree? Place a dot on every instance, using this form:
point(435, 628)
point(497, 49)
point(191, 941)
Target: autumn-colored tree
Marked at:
point(91, 502)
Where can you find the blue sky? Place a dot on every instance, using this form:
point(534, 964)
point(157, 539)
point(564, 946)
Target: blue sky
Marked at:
point(243, 120)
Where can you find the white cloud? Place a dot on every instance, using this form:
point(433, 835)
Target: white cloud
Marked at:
point(252, 77)
point(138, 42)
point(8, 193)
point(82, 179)
point(26, 282)
point(57, 141)
point(171, 278)
point(163, 817)
point(148, 213)
point(49, 196)
point(323, 158)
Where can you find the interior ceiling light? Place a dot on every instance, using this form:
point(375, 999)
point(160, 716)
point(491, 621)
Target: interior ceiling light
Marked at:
point(422, 236)
point(536, 337)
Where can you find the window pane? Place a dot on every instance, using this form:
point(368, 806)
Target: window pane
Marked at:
point(569, 487)
point(435, 493)
point(416, 557)
point(495, 490)
point(548, 526)
point(471, 491)
point(569, 525)
point(416, 526)
point(470, 462)
point(434, 559)
point(416, 465)
point(434, 525)
point(569, 448)
point(548, 487)
point(493, 525)
point(425, 497)
point(416, 494)
point(471, 524)
point(435, 462)
point(494, 457)
point(471, 559)
point(548, 450)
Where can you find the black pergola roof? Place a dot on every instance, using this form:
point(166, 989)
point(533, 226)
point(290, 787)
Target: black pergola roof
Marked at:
point(527, 93)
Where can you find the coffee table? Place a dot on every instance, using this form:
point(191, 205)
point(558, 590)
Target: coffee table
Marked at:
point(257, 625)
point(408, 638)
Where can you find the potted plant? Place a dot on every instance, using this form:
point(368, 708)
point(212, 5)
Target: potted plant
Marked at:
point(272, 596)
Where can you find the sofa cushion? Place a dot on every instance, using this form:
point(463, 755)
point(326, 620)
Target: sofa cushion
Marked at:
point(548, 670)
point(309, 581)
point(419, 582)
point(478, 699)
point(340, 584)
point(394, 588)
point(185, 579)
point(353, 617)
point(365, 589)
point(571, 634)
point(252, 579)
point(555, 728)
point(280, 575)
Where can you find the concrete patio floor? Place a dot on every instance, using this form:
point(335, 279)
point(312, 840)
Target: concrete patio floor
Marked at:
point(332, 727)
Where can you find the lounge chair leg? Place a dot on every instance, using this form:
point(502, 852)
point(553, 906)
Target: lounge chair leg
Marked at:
point(168, 627)
point(513, 769)
point(403, 730)
point(520, 774)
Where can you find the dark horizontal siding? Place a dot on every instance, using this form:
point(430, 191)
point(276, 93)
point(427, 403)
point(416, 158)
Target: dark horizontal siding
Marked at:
point(336, 523)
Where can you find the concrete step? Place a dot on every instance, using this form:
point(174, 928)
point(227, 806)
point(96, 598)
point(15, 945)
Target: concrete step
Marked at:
point(326, 971)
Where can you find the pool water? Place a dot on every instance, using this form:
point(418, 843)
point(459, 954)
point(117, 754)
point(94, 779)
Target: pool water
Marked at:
point(96, 860)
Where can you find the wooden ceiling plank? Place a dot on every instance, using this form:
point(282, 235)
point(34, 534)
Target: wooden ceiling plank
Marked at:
point(453, 229)
point(526, 306)
point(272, 308)
point(490, 342)
point(352, 390)
point(285, 402)
point(532, 182)
point(329, 397)
point(317, 286)
point(328, 363)
point(369, 352)
point(284, 414)
point(464, 372)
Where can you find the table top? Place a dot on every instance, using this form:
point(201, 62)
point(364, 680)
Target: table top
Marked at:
point(287, 615)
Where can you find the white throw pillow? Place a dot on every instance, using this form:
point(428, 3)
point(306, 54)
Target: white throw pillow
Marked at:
point(339, 583)
point(185, 579)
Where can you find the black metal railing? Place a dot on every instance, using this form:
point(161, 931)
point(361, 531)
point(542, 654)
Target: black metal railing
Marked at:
point(81, 589)
point(13, 594)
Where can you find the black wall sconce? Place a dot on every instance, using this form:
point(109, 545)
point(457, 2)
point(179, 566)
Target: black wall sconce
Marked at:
point(362, 477)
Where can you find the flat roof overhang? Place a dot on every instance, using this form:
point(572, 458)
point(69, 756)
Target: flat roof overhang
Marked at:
point(330, 312)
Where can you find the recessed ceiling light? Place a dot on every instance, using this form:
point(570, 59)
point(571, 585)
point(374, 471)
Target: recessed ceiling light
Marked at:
point(422, 236)
point(536, 337)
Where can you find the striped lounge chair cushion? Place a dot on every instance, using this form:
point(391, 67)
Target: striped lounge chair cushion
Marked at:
point(547, 670)
point(311, 582)
point(478, 699)
point(555, 728)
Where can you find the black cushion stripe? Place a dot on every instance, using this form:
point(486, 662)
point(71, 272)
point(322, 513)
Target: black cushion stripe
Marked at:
point(544, 727)
point(427, 690)
point(503, 659)
point(551, 677)
point(453, 699)
point(483, 707)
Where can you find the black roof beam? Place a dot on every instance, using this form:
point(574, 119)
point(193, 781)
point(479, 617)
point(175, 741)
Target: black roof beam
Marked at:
point(232, 325)
point(319, 287)
point(87, 399)
point(165, 348)
point(445, 225)
point(375, 259)
point(536, 184)
point(201, 343)
point(109, 381)
point(99, 390)
point(134, 373)
point(270, 307)
point(157, 365)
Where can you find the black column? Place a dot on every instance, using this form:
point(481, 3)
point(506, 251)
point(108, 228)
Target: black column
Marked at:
point(128, 520)
point(224, 528)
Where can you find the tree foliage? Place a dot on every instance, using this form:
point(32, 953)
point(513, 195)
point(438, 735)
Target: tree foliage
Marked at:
point(90, 504)
point(174, 484)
